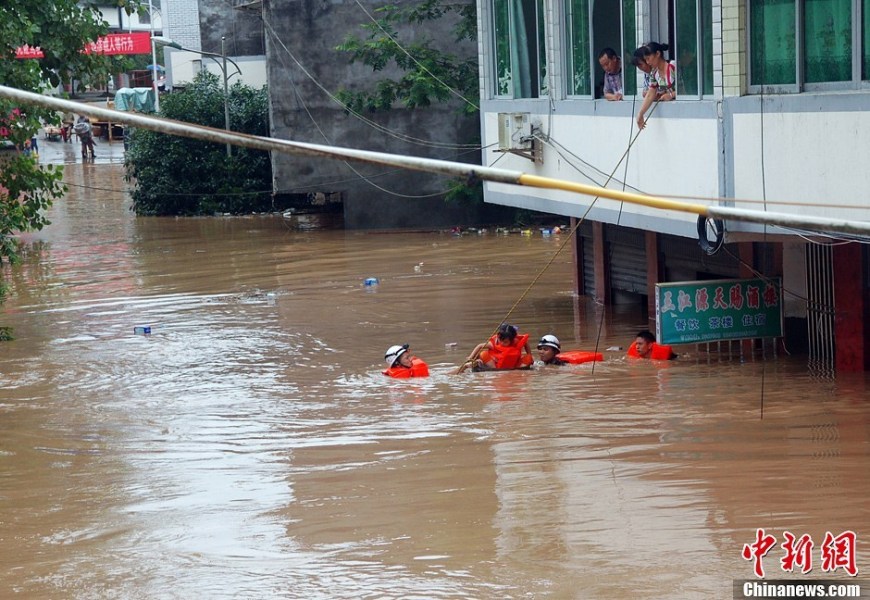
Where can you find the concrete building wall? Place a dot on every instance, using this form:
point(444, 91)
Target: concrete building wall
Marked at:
point(305, 69)
point(243, 29)
point(182, 22)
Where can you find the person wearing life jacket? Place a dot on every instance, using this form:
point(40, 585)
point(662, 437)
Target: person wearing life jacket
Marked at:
point(645, 346)
point(401, 365)
point(548, 350)
point(507, 349)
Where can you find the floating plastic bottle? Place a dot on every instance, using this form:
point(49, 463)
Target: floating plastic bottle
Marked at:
point(142, 330)
point(369, 282)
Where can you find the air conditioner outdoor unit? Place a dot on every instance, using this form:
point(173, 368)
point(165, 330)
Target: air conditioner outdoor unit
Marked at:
point(514, 131)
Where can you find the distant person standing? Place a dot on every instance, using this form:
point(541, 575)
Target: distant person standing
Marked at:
point(612, 65)
point(66, 128)
point(83, 129)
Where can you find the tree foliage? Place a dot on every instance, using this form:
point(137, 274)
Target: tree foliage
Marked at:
point(182, 176)
point(429, 71)
point(61, 28)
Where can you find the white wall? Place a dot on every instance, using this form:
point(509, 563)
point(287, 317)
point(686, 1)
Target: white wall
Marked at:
point(673, 156)
point(802, 154)
point(814, 162)
point(182, 67)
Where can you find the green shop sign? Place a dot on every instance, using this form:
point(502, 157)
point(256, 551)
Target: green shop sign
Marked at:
point(724, 309)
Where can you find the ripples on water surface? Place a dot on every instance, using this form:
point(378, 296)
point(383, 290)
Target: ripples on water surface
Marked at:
point(250, 448)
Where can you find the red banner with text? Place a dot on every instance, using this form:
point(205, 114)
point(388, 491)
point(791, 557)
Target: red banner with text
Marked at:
point(138, 42)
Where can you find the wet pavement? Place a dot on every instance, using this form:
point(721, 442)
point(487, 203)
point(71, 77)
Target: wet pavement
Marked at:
point(59, 152)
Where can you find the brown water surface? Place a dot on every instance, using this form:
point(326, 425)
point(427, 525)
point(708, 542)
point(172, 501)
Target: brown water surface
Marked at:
point(250, 448)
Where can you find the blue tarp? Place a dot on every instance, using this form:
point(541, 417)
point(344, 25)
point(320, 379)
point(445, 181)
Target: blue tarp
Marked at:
point(138, 99)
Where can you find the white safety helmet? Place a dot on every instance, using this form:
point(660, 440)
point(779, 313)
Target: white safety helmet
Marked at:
point(550, 341)
point(391, 356)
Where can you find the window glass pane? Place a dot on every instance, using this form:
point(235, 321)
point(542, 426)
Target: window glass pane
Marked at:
point(579, 75)
point(629, 37)
point(524, 48)
point(865, 66)
point(707, 45)
point(687, 47)
point(503, 72)
point(773, 42)
point(828, 40)
point(543, 86)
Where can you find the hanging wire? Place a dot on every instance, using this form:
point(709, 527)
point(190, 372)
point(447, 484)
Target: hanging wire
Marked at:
point(328, 141)
point(415, 61)
point(763, 191)
point(369, 122)
point(619, 214)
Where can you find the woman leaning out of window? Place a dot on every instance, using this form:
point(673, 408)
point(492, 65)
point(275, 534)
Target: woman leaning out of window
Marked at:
point(662, 79)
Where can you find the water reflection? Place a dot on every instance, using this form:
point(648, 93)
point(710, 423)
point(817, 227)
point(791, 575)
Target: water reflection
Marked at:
point(249, 446)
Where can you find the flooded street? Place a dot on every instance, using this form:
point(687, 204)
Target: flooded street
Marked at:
point(249, 447)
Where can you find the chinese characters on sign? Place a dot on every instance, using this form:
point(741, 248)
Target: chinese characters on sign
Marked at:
point(138, 42)
point(705, 311)
point(835, 552)
point(26, 51)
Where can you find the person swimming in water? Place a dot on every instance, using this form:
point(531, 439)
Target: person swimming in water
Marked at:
point(401, 365)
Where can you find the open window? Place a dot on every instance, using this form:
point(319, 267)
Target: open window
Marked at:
point(591, 27)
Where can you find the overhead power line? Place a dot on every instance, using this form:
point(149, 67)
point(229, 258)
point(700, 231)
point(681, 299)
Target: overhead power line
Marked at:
point(442, 167)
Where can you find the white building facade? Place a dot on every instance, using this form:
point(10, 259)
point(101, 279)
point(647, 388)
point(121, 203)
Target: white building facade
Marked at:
point(773, 113)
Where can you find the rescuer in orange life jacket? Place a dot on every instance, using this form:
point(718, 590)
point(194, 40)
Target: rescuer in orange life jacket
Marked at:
point(401, 365)
point(548, 350)
point(645, 346)
point(550, 353)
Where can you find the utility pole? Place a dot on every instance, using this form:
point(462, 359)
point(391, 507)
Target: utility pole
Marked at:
point(153, 59)
point(226, 92)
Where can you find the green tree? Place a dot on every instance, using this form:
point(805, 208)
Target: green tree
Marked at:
point(182, 176)
point(430, 72)
point(61, 28)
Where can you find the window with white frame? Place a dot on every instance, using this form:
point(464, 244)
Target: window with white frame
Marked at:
point(520, 48)
point(808, 44)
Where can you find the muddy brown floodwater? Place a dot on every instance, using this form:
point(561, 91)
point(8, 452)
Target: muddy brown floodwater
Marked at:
point(250, 448)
